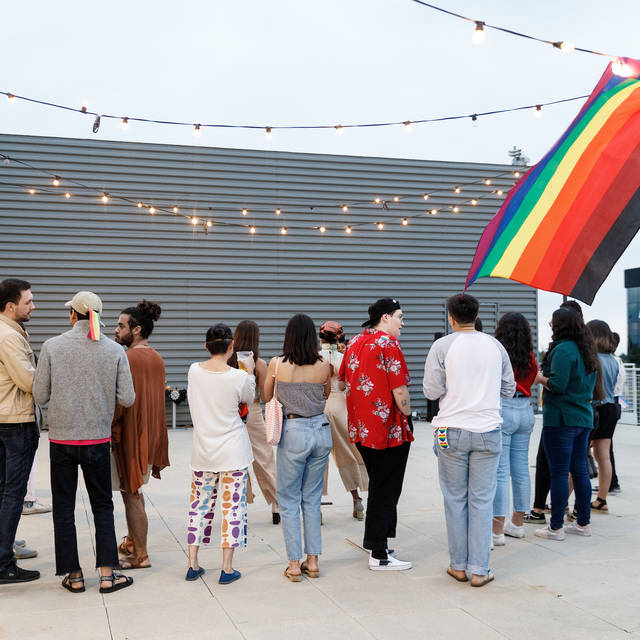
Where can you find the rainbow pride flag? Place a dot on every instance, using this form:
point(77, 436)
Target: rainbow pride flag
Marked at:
point(569, 218)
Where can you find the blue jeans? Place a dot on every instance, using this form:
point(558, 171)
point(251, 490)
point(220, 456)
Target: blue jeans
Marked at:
point(566, 449)
point(302, 456)
point(467, 472)
point(517, 425)
point(18, 444)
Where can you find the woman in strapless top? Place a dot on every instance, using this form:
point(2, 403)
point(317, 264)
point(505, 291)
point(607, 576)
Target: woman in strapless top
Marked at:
point(304, 383)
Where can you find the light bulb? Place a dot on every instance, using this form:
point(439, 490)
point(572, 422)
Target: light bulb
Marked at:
point(487, 181)
point(105, 198)
point(499, 192)
point(474, 202)
point(456, 209)
point(516, 174)
point(267, 133)
point(347, 229)
point(407, 126)
point(252, 229)
point(56, 181)
point(11, 97)
point(377, 201)
point(457, 189)
point(84, 106)
point(396, 199)
point(209, 223)
point(538, 111)
point(339, 129)
point(566, 46)
point(433, 212)
point(426, 196)
point(278, 212)
point(380, 225)
point(345, 208)
point(405, 222)
point(194, 221)
point(479, 35)
point(32, 191)
point(140, 205)
point(124, 124)
point(474, 120)
point(283, 231)
point(322, 229)
point(196, 131)
point(175, 209)
point(152, 210)
point(244, 212)
point(67, 195)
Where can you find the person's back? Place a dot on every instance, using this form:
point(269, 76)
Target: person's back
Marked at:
point(465, 371)
point(610, 371)
point(301, 389)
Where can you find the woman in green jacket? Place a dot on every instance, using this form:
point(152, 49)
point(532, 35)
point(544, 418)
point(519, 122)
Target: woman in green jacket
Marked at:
point(569, 370)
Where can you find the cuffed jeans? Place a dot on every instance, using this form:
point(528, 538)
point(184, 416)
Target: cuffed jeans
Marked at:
point(566, 449)
point(467, 472)
point(386, 469)
point(301, 460)
point(18, 445)
point(517, 425)
point(95, 462)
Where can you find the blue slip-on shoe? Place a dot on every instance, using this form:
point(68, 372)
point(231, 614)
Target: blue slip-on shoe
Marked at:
point(194, 574)
point(228, 578)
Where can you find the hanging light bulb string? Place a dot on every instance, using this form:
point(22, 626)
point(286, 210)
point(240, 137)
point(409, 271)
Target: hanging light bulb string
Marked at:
point(481, 25)
point(197, 127)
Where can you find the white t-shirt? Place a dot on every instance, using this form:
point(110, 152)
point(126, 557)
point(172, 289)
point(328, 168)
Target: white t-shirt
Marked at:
point(220, 438)
point(468, 372)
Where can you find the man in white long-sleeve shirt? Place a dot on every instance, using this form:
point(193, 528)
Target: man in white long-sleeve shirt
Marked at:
point(468, 371)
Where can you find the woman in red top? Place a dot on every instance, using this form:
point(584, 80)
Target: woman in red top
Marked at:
point(375, 376)
point(514, 333)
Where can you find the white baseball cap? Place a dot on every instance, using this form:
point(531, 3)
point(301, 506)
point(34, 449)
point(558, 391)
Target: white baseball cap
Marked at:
point(83, 301)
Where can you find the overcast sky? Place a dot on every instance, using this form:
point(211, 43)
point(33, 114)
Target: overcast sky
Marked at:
point(300, 62)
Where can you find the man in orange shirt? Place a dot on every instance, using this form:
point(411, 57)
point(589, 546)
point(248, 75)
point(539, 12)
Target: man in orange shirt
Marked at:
point(139, 433)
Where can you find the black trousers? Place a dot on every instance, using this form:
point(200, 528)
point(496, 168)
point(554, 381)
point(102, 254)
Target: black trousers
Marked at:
point(95, 462)
point(543, 479)
point(386, 473)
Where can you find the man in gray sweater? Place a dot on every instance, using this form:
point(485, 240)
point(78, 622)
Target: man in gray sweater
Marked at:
point(82, 374)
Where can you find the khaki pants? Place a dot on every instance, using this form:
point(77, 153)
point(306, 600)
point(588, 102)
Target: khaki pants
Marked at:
point(264, 461)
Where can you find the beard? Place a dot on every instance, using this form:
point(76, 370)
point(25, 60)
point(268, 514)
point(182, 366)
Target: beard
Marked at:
point(125, 341)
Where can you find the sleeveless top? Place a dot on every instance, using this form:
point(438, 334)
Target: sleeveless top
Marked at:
point(330, 354)
point(302, 398)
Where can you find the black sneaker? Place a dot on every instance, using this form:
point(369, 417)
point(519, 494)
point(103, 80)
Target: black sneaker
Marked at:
point(535, 518)
point(13, 573)
point(615, 490)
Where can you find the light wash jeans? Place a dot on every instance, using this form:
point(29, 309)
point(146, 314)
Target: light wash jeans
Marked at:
point(517, 425)
point(467, 472)
point(301, 460)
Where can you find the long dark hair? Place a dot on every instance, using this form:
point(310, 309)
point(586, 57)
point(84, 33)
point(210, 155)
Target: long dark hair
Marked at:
point(514, 333)
point(301, 341)
point(247, 338)
point(602, 335)
point(566, 324)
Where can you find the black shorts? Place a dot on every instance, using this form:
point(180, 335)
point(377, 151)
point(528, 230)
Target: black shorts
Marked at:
point(606, 422)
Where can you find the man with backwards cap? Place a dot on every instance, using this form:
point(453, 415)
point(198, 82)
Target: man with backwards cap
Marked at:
point(82, 374)
point(375, 376)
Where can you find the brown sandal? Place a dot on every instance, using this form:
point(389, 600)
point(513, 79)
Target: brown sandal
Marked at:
point(599, 505)
point(455, 577)
point(294, 577)
point(126, 547)
point(487, 579)
point(133, 562)
point(309, 572)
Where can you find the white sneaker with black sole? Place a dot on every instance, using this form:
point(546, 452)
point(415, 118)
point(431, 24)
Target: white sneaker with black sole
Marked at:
point(390, 564)
point(512, 530)
point(578, 530)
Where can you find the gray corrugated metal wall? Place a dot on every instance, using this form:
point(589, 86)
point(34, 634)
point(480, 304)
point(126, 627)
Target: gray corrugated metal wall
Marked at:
point(123, 254)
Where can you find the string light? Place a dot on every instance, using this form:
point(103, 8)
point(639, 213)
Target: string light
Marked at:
point(56, 181)
point(244, 212)
point(516, 174)
point(487, 181)
point(322, 229)
point(456, 209)
point(105, 197)
point(209, 224)
point(339, 129)
point(84, 106)
point(380, 225)
point(267, 133)
point(457, 189)
point(565, 46)
point(425, 196)
point(345, 208)
point(396, 199)
point(32, 191)
point(278, 212)
point(196, 131)
point(124, 125)
point(175, 209)
point(140, 205)
point(433, 212)
point(348, 229)
point(407, 126)
point(377, 200)
point(67, 195)
point(11, 97)
point(283, 231)
point(499, 192)
point(474, 120)
point(405, 222)
point(538, 111)
point(474, 202)
point(479, 35)
point(194, 221)
point(252, 229)
point(152, 210)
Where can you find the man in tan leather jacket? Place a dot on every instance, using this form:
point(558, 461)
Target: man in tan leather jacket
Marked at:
point(18, 429)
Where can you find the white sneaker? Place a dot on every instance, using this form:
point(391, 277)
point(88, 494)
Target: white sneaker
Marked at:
point(512, 531)
point(577, 530)
point(390, 564)
point(29, 507)
point(498, 539)
point(550, 534)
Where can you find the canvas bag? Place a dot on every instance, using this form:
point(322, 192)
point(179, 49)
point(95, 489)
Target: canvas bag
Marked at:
point(273, 414)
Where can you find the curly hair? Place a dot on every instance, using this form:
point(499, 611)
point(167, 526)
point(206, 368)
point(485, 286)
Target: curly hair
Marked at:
point(514, 333)
point(143, 315)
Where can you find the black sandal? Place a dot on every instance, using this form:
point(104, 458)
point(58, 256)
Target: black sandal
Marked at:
point(599, 505)
point(115, 586)
point(68, 581)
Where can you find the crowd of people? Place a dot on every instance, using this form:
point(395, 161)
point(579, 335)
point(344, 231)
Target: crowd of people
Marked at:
point(104, 408)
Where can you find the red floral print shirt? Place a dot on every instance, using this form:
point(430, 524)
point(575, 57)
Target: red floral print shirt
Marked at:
point(373, 365)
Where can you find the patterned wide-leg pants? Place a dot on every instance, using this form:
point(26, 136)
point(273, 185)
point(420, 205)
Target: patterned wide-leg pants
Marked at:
point(204, 494)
